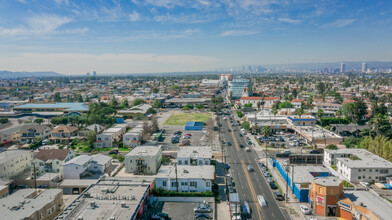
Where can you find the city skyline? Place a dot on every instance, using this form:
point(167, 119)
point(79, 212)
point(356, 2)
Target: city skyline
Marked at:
point(73, 37)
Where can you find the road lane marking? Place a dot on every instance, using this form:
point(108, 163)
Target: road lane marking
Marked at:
point(234, 139)
point(252, 190)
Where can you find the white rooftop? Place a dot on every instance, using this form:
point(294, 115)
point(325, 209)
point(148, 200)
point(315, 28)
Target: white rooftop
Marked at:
point(195, 152)
point(79, 160)
point(145, 151)
point(366, 159)
point(187, 172)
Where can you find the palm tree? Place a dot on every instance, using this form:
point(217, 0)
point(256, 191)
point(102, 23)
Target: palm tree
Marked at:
point(339, 114)
point(320, 114)
point(258, 105)
point(377, 120)
point(274, 112)
point(299, 112)
point(265, 131)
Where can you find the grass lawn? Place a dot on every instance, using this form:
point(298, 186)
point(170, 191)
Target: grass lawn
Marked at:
point(111, 148)
point(183, 118)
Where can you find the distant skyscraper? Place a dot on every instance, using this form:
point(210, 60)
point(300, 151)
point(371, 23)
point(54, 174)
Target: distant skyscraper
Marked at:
point(87, 73)
point(94, 73)
point(342, 67)
point(364, 67)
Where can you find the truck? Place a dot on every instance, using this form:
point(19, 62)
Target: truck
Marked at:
point(235, 206)
point(246, 210)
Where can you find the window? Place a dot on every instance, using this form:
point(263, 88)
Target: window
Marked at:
point(359, 170)
point(179, 162)
point(359, 177)
point(383, 171)
point(364, 170)
point(130, 161)
point(193, 184)
point(57, 162)
point(174, 184)
point(76, 167)
point(184, 183)
point(207, 184)
point(186, 162)
point(370, 170)
point(164, 183)
point(376, 170)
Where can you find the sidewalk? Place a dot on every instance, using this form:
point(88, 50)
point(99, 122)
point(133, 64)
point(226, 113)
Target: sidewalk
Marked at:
point(292, 205)
point(223, 211)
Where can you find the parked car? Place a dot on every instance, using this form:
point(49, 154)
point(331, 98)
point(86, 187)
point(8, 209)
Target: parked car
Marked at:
point(270, 180)
point(305, 209)
point(162, 215)
point(228, 130)
point(273, 185)
point(228, 143)
point(202, 216)
point(261, 164)
point(114, 151)
point(227, 166)
point(264, 169)
point(241, 146)
point(278, 196)
point(188, 134)
point(250, 168)
point(267, 174)
point(186, 143)
point(247, 149)
point(186, 137)
point(240, 135)
point(202, 209)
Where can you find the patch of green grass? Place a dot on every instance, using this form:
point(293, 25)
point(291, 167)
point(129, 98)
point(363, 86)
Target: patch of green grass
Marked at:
point(182, 118)
point(347, 184)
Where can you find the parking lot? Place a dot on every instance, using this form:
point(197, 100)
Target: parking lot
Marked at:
point(197, 138)
point(178, 210)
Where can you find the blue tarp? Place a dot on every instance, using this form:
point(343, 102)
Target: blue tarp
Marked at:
point(194, 126)
point(388, 186)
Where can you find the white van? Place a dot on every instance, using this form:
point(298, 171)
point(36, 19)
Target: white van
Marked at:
point(261, 200)
point(247, 149)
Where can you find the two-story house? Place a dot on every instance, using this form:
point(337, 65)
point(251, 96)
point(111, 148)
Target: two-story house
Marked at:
point(50, 161)
point(113, 134)
point(28, 133)
point(143, 160)
point(86, 166)
point(62, 133)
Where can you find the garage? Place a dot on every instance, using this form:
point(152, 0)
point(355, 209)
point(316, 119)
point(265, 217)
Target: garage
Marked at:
point(194, 126)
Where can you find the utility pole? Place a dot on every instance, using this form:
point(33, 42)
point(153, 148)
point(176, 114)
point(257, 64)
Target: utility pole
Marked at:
point(35, 177)
point(175, 166)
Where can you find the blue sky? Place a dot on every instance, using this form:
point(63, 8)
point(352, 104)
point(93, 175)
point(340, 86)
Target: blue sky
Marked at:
point(140, 36)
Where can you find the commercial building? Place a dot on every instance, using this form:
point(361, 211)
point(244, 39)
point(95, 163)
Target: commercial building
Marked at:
point(50, 161)
point(64, 107)
point(266, 102)
point(190, 178)
point(349, 211)
point(299, 177)
point(27, 204)
point(180, 102)
point(237, 86)
point(342, 67)
point(110, 198)
point(194, 126)
point(85, 166)
point(194, 156)
point(29, 132)
point(364, 67)
point(324, 195)
point(143, 160)
point(358, 165)
point(14, 162)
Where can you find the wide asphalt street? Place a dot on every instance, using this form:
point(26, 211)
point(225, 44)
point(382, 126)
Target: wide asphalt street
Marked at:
point(248, 184)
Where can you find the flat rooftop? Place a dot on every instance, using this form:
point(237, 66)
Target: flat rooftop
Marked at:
point(64, 105)
point(21, 204)
point(144, 151)
point(110, 197)
point(366, 158)
point(316, 132)
point(195, 152)
point(303, 174)
point(186, 172)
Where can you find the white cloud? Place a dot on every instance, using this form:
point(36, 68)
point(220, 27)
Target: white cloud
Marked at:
point(59, 2)
point(164, 35)
point(134, 16)
point(289, 20)
point(339, 23)
point(42, 24)
point(77, 63)
point(238, 33)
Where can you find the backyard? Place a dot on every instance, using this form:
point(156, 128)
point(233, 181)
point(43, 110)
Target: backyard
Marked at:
point(183, 118)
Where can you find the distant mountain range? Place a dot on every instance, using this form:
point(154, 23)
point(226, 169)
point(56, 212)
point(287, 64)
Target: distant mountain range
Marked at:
point(10, 75)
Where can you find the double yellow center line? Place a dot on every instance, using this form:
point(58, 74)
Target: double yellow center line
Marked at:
point(251, 188)
point(234, 139)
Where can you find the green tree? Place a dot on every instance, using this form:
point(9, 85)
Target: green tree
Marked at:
point(79, 97)
point(320, 114)
point(286, 104)
point(332, 147)
point(199, 106)
point(248, 105)
point(114, 102)
point(157, 104)
point(240, 114)
point(265, 131)
point(57, 97)
point(125, 104)
point(138, 102)
point(155, 90)
point(245, 125)
point(38, 120)
point(4, 120)
point(299, 112)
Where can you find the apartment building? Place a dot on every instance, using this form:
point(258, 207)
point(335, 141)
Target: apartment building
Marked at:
point(358, 165)
point(190, 178)
point(10, 134)
point(14, 162)
point(143, 160)
point(86, 166)
point(27, 204)
point(29, 132)
point(50, 161)
point(108, 136)
point(133, 137)
point(194, 156)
